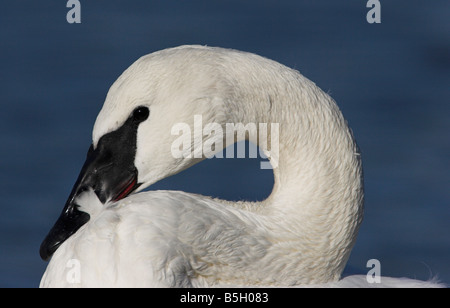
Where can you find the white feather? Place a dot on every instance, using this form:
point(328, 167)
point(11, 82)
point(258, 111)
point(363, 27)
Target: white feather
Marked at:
point(301, 235)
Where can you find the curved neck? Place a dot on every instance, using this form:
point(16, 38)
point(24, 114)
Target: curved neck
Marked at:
point(318, 192)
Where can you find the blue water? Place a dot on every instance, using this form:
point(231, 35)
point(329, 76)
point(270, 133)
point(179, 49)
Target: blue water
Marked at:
point(391, 80)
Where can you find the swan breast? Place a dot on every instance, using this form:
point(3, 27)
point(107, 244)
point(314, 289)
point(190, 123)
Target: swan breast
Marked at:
point(177, 239)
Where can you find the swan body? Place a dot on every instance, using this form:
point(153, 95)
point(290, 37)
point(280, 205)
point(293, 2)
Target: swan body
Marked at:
point(177, 239)
point(302, 234)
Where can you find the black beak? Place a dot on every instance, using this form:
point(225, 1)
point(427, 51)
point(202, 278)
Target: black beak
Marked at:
point(109, 171)
point(109, 181)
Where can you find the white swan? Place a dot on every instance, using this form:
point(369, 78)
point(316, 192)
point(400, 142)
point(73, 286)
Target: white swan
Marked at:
point(302, 234)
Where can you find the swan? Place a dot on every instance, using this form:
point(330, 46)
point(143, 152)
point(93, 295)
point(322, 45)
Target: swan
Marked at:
point(109, 235)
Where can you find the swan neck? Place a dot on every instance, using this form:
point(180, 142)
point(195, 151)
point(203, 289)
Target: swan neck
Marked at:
point(318, 188)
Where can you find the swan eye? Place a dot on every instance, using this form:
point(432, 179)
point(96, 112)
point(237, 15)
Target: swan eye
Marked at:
point(140, 114)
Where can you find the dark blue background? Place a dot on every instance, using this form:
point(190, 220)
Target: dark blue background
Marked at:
point(391, 81)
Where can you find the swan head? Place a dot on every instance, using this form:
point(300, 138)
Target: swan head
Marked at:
point(133, 133)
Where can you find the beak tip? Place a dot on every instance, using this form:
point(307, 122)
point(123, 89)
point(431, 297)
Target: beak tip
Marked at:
point(65, 226)
point(44, 252)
